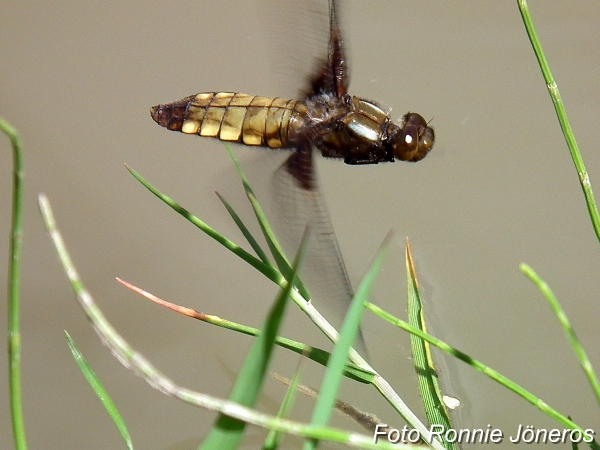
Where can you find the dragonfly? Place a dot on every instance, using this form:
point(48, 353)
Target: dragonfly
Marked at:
point(326, 120)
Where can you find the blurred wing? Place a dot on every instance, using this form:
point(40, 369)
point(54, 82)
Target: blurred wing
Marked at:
point(298, 202)
point(297, 33)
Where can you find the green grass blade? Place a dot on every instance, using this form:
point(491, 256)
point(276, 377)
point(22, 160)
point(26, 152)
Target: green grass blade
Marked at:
point(350, 329)
point(99, 390)
point(560, 314)
point(275, 247)
point(427, 376)
point(240, 224)
point(266, 270)
point(479, 366)
point(559, 107)
point(274, 437)
point(14, 275)
point(227, 431)
point(316, 354)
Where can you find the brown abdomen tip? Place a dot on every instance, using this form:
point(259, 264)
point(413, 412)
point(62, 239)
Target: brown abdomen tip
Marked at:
point(171, 115)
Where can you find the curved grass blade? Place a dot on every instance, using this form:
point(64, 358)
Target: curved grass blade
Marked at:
point(560, 314)
point(316, 354)
point(227, 431)
point(427, 375)
point(14, 271)
point(99, 390)
point(559, 107)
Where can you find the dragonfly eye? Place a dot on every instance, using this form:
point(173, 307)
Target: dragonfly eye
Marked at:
point(426, 140)
point(414, 140)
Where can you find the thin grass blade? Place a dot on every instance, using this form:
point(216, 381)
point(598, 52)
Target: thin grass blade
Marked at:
point(274, 437)
point(99, 390)
point(14, 277)
point(316, 354)
point(561, 113)
point(240, 224)
point(560, 314)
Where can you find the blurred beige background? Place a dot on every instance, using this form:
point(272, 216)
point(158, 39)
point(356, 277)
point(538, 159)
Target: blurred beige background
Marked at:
point(77, 79)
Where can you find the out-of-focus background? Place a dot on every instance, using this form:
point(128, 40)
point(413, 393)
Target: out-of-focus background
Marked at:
point(77, 80)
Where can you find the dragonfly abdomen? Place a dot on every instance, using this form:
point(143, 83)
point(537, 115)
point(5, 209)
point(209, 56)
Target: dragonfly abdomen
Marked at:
point(233, 117)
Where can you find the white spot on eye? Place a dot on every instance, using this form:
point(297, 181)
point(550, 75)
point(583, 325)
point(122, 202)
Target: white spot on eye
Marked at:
point(408, 139)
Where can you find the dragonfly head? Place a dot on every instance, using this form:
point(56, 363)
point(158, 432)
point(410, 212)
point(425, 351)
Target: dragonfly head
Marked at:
point(412, 140)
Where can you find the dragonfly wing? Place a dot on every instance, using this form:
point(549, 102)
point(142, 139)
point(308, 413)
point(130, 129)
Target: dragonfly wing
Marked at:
point(298, 203)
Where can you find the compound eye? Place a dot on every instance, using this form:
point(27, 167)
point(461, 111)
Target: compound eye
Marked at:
point(416, 139)
point(415, 119)
point(426, 141)
point(406, 143)
point(410, 137)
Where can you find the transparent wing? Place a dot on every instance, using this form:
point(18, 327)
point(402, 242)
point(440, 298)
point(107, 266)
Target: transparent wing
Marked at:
point(297, 33)
point(298, 202)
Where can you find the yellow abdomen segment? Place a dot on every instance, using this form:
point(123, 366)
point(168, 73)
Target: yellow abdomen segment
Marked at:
point(235, 117)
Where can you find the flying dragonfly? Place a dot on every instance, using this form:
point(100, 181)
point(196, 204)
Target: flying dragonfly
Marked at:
point(327, 120)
